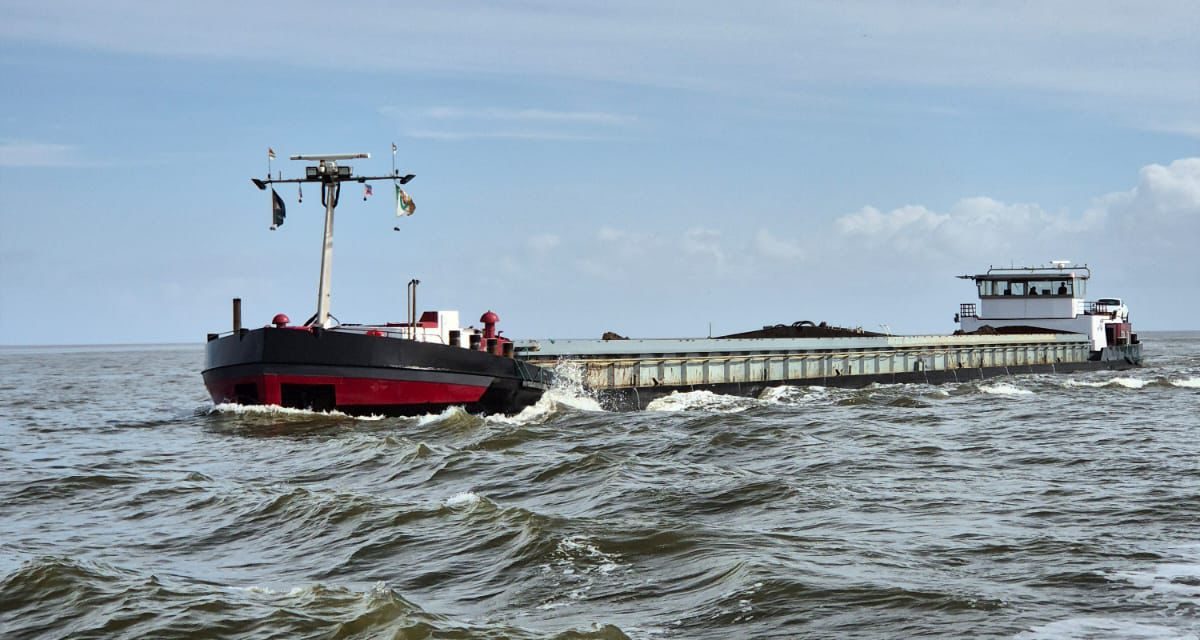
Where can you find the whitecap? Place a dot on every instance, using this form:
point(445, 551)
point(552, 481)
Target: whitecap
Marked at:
point(582, 554)
point(446, 414)
point(1086, 383)
point(462, 500)
point(568, 391)
point(702, 400)
point(1004, 389)
point(779, 394)
point(1187, 383)
point(580, 402)
point(1181, 579)
point(580, 563)
point(1130, 383)
point(791, 394)
point(276, 410)
point(549, 405)
point(256, 590)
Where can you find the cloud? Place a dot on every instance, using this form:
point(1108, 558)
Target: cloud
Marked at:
point(522, 115)
point(543, 242)
point(1156, 221)
point(970, 225)
point(767, 245)
point(704, 242)
point(1158, 218)
point(1190, 129)
point(39, 154)
point(1167, 191)
point(1120, 62)
point(550, 136)
point(507, 124)
point(1164, 207)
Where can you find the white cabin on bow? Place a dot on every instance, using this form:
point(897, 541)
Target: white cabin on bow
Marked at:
point(1051, 298)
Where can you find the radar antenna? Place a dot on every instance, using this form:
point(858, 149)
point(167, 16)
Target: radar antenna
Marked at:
point(331, 176)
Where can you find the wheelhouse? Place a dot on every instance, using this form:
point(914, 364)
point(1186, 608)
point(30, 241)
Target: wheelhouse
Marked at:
point(1021, 283)
point(1048, 298)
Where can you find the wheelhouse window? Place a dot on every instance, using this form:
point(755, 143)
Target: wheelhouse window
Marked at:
point(1062, 287)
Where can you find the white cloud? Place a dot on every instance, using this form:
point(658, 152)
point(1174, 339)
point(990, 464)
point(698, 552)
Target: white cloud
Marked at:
point(971, 225)
point(1190, 129)
point(704, 242)
point(552, 136)
point(543, 242)
point(769, 246)
point(521, 115)
point(39, 154)
point(1173, 190)
point(1123, 60)
point(1163, 209)
point(871, 222)
point(531, 123)
point(1159, 218)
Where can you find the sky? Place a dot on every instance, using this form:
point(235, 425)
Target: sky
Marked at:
point(658, 169)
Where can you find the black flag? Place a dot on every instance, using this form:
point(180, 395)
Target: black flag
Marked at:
point(278, 212)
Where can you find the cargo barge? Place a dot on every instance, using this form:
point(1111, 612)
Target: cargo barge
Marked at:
point(1027, 320)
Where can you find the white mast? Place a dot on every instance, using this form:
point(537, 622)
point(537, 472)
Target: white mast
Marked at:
point(331, 177)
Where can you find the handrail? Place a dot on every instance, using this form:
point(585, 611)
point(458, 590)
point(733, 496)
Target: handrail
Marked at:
point(1033, 270)
point(917, 351)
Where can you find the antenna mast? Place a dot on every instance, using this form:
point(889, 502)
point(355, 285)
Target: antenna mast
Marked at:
point(331, 176)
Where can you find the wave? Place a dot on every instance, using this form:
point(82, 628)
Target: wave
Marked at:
point(1136, 383)
point(449, 415)
point(1128, 383)
point(578, 566)
point(1186, 383)
point(462, 500)
point(1098, 627)
point(62, 487)
point(1180, 578)
point(275, 410)
point(56, 597)
point(553, 403)
point(795, 395)
point(567, 394)
point(1004, 389)
point(700, 401)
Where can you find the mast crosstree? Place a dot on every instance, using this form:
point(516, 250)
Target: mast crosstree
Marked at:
point(330, 175)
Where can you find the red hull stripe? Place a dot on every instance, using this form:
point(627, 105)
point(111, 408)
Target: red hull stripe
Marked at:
point(352, 391)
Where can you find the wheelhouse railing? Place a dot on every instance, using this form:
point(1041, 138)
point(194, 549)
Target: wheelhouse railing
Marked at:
point(1092, 308)
point(967, 310)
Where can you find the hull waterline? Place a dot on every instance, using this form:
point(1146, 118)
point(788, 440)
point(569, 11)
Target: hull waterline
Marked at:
point(358, 374)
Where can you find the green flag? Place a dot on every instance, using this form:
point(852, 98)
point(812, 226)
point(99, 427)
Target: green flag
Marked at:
point(404, 203)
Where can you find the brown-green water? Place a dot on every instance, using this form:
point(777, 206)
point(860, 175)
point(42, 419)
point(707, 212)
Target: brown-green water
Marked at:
point(1023, 507)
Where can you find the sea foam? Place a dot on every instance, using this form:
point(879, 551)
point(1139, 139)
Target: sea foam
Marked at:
point(1004, 389)
point(703, 400)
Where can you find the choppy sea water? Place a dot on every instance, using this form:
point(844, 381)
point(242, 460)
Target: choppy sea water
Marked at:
point(1026, 507)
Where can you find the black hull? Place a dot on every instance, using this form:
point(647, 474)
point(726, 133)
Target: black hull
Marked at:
point(359, 374)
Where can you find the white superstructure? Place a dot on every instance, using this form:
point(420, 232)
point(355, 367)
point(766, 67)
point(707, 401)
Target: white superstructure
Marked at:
point(1052, 298)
